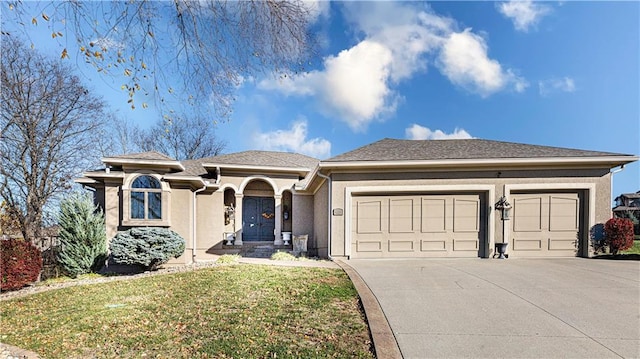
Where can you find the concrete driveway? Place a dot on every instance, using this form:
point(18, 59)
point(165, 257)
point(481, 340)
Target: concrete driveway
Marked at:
point(514, 308)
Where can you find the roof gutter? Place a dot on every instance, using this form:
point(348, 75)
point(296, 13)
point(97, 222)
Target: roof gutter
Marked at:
point(612, 173)
point(482, 162)
point(328, 178)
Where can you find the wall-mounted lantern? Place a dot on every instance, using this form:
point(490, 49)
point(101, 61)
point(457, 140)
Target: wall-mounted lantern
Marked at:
point(285, 214)
point(505, 207)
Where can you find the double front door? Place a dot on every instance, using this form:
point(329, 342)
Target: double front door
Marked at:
point(258, 218)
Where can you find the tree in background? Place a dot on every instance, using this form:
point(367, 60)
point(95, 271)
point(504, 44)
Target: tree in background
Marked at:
point(183, 139)
point(83, 237)
point(47, 120)
point(211, 46)
point(9, 223)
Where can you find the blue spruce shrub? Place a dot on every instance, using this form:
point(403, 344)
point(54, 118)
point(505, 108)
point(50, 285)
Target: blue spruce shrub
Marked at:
point(83, 237)
point(148, 247)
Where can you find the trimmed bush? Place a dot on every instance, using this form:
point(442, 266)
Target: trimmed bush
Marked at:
point(149, 247)
point(20, 264)
point(83, 236)
point(618, 234)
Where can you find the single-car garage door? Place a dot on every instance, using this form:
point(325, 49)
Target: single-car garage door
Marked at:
point(427, 225)
point(546, 224)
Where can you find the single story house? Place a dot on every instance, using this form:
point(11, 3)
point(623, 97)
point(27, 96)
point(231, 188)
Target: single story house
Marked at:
point(389, 199)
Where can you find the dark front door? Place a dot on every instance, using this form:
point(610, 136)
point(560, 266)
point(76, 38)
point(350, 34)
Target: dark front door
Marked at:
point(258, 218)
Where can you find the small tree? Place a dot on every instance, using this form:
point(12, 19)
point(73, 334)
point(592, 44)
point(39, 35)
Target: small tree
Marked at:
point(148, 247)
point(83, 236)
point(20, 264)
point(618, 234)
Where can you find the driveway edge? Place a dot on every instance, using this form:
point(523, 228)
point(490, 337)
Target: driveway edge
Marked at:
point(384, 341)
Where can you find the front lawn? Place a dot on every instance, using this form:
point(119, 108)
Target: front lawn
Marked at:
point(635, 249)
point(238, 311)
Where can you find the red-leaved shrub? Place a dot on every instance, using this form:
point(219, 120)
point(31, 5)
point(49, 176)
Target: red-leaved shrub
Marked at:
point(20, 264)
point(618, 234)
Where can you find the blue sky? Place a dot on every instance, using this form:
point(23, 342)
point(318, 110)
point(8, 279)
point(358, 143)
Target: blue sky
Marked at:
point(561, 74)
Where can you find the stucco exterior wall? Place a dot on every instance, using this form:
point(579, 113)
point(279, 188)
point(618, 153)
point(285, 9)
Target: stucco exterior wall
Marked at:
point(210, 223)
point(112, 208)
point(303, 220)
point(181, 219)
point(320, 220)
point(572, 179)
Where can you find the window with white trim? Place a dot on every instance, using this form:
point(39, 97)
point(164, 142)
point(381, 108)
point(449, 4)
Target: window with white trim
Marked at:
point(146, 198)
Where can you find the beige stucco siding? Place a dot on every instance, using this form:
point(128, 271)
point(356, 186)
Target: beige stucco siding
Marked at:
point(303, 219)
point(181, 219)
point(210, 223)
point(112, 209)
point(320, 220)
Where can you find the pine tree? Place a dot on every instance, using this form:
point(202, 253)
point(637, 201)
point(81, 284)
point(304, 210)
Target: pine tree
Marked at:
point(83, 235)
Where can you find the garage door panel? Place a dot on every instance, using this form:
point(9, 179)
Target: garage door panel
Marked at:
point(369, 246)
point(401, 215)
point(564, 213)
point(527, 214)
point(401, 246)
point(434, 215)
point(369, 216)
point(527, 244)
point(562, 244)
point(465, 245)
point(466, 215)
point(433, 246)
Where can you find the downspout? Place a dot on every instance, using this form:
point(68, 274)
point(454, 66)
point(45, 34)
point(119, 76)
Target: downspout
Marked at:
point(328, 215)
point(194, 223)
point(218, 175)
point(612, 173)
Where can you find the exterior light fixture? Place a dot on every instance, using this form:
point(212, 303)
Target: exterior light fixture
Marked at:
point(505, 207)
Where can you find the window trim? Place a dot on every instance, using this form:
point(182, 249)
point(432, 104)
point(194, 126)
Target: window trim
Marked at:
point(165, 199)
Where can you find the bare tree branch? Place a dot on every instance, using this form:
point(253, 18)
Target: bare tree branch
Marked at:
point(48, 120)
point(181, 51)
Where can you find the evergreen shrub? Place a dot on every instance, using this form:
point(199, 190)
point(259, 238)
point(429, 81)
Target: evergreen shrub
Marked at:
point(83, 236)
point(20, 264)
point(148, 247)
point(618, 234)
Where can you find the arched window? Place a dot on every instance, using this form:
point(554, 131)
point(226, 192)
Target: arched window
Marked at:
point(146, 198)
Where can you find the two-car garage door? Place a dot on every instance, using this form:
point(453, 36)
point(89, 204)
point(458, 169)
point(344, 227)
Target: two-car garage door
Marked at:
point(542, 224)
point(421, 225)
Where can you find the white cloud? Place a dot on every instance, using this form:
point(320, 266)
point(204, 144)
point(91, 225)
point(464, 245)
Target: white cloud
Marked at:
point(353, 85)
point(399, 40)
point(524, 13)
point(294, 140)
point(464, 60)
point(317, 9)
point(565, 84)
point(417, 132)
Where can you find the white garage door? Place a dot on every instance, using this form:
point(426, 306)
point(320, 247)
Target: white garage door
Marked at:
point(545, 224)
point(430, 225)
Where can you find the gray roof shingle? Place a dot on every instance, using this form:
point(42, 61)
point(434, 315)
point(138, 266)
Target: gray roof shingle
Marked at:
point(251, 158)
point(264, 158)
point(468, 149)
point(151, 155)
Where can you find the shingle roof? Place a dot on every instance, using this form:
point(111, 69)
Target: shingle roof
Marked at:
point(264, 158)
point(151, 155)
point(251, 158)
point(408, 150)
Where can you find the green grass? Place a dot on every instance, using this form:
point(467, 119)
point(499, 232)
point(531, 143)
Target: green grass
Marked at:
point(633, 250)
point(237, 311)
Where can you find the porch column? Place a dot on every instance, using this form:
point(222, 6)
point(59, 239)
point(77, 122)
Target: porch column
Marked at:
point(278, 230)
point(237, 223)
